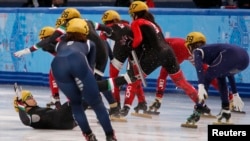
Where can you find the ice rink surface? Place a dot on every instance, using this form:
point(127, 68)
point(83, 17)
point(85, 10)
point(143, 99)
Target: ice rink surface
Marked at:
point(165, 127)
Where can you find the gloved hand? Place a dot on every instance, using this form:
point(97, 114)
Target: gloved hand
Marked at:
point(18, 104)
point(20, 53)
point(202, 93)
point(126, 41)
point(55, 100)
point(238, 104)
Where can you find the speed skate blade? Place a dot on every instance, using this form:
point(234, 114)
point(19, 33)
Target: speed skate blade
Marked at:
point(153, 113)
point(144, 115)
point(118, 119)
point(189, 125)
point(222, 123)
point(240, 112)
point(208, 116)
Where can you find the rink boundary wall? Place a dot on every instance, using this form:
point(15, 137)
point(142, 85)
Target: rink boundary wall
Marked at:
point(124, 10)
point(41, 79)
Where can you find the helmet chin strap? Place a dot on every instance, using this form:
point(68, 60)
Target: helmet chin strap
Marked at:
point(27, 105)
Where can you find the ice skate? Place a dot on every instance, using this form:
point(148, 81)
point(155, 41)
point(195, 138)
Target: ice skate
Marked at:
point(194, 118)
point(111, 138)
point(90, 137)
point(206, 112)
point(124, 111)
point(153, 109)
point(224, 114)
point(191, 121)
point(141, 106)
point(114, 114)
point(237, 111)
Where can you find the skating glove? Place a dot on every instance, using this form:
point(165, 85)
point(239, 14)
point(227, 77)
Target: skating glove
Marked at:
point(55, 100)
point(126, 41)
point(18, 104)
point(238, 104)
point(20, 53)
point(202, 93)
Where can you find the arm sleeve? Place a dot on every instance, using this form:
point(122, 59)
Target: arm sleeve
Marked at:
point(25, 118)
point(199, 65)
point(108, 30)
point(49, 43)
point(136, 34)
point(110, 53)
point(92, 54)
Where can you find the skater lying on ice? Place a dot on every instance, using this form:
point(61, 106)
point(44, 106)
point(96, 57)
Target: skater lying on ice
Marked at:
point(40, 117)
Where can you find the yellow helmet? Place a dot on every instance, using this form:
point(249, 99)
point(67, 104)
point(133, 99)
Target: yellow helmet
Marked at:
point(59, 21)
point(25, 94)
point(70, 13)
point(46, 31)
point(137, 6)
point(194, 37)
point(110, 15)
point(77, 25)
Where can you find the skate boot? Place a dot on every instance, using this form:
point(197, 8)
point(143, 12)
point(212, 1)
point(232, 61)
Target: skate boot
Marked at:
point(111, 138)
point(119, 105)
point(193, 118)
point(124, 111)
point(114, 114)
point(206, 112)
point(90, 137)
point(154, 107)
point(141, 106)
point(225, 113)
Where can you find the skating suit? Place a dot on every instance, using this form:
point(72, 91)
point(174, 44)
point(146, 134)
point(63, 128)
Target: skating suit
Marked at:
point(74, 76)
point(47, 118)
point(223, 60)
point(156, 51)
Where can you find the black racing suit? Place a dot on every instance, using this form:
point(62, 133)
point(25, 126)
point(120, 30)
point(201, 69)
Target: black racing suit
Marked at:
point(48, 118)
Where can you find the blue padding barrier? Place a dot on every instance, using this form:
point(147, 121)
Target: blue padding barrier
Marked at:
point(41, 79)
point(124, 10)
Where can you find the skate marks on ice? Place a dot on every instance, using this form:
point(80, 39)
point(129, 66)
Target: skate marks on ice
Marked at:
point(174, 110)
